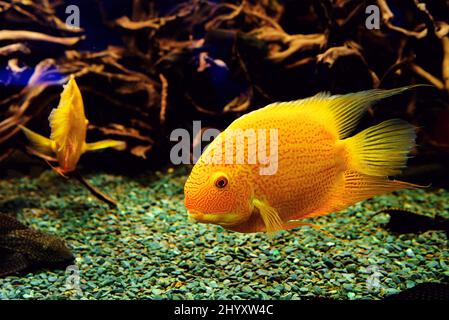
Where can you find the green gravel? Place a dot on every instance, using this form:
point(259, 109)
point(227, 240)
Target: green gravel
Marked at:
point(148, 249)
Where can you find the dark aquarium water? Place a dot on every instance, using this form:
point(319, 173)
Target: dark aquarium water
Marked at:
point(326, 171)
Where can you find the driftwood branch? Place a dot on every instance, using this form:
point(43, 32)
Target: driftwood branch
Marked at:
point(22, 35)
point(207, 60)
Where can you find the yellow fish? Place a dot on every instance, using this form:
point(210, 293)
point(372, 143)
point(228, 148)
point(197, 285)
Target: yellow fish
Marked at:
point(68, 125)
point(320, 167)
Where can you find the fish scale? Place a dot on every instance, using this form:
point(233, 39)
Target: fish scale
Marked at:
point(302, 144)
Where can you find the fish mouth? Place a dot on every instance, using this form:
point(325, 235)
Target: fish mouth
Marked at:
point(195, 215)
point(223, 219)
point(201, 216)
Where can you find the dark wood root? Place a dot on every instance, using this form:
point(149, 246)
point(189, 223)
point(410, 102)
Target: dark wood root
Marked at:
point(162, 75)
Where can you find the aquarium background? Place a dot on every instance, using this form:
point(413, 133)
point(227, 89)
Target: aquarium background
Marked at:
point(146, 68)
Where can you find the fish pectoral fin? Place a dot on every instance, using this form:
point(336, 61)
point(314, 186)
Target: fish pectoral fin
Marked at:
point(119, 145)
point(269, 215)
point(39, 142)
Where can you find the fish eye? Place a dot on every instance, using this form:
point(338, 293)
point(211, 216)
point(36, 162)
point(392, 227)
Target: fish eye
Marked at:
point(221, 182)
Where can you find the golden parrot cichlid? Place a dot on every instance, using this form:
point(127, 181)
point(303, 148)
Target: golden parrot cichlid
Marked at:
point(68, 125)
point(319, 167)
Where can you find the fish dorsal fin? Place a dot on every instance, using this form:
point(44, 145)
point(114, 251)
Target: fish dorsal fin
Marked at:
point(68, 116)
point(340, 112)
point(345, 111)
point(269, 215)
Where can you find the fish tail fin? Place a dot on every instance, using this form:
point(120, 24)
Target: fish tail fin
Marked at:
point(119, 145)
point(380, 150)
point(39, 142)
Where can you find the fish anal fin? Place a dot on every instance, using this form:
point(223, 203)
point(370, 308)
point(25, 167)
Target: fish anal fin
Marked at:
point(355, 187)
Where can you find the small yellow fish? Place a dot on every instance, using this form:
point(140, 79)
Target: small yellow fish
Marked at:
point(68, 125)
point(320, 169)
